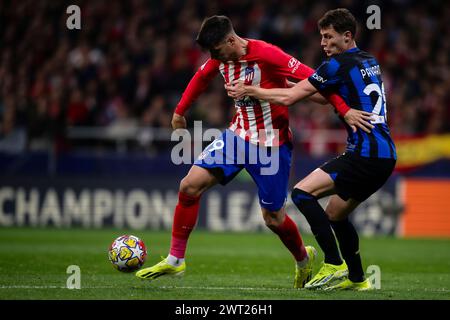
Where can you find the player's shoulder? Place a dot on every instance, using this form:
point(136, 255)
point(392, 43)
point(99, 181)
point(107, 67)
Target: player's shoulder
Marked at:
point(353, 54)
point(261, 46)
point(344, 59)
point(339, 58)
point(256, 43)
point(210, 63)
point(369, 58)
point(332, 64)
point(365, 54)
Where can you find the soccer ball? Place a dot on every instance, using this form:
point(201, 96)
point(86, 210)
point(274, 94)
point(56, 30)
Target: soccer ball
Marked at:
point(127, 253)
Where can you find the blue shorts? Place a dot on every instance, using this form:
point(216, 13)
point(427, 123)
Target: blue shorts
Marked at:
point(268, 166)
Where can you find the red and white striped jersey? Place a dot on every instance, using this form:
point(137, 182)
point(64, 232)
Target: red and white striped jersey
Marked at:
point(266, 66)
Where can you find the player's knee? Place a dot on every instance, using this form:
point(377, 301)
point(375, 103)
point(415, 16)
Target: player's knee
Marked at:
point(332, 214)
point(337, 211)
point(304, 201)
point(273, 219)
point(300, 197)
point(190, 188)
point(272, 223)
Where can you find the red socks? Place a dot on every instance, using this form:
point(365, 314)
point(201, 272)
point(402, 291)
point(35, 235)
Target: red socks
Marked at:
point(290, 236)
point(185, 218)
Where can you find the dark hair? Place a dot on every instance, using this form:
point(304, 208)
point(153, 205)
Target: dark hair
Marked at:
point(213, 31)
point(340, 20)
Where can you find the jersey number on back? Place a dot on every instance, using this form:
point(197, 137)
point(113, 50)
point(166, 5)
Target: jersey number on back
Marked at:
point(381, 102)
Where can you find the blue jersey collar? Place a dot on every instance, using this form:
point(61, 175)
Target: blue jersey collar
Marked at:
point(355, 49)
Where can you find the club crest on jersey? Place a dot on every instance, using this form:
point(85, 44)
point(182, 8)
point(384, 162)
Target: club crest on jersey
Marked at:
point(249, 74)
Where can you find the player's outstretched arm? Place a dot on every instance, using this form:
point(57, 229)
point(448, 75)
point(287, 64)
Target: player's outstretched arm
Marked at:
point(354, 118)
point(284, 96)
point(316, 97)
point(287, 96)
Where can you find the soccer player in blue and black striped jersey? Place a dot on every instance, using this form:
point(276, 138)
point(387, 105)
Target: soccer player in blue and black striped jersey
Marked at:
point(361, 170)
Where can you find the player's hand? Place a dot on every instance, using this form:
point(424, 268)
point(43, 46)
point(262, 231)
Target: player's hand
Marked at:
point(236, 89)
point(178, 122)
point(290, 84)
point(359, 119)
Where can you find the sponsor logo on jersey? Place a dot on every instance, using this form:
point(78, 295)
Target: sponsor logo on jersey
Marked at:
point(319, 78)
point(245, 102)
point(292, 63)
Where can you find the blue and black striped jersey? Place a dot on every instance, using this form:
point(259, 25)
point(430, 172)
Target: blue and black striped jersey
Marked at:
point(356, 76)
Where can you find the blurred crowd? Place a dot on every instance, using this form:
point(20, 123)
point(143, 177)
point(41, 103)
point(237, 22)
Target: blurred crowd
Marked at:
point(131, 60)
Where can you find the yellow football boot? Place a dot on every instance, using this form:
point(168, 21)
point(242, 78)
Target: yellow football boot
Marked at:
point(161, 269)
point(347, 284)
point(303, 275)
point(327, 274)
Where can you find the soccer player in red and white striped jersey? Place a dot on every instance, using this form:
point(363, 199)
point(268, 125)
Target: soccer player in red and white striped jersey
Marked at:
point(256, 124)
point(261, 64)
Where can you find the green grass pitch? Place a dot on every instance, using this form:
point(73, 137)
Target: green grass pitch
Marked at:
point(230, 266)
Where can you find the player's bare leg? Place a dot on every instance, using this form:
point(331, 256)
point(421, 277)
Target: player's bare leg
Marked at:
point(338, 211)
point(196, 182)
point(286, 229)
point(305, 196)
point(318, 183)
